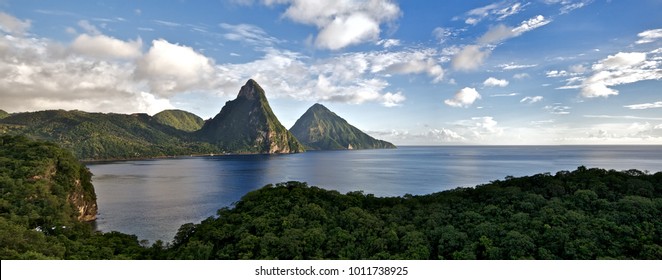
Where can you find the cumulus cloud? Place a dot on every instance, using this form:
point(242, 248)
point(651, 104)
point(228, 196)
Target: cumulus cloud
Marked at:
point(494, 82)
point(531, 99)
point(469, 58)
point(649, 36)
point(618, 69)
point(444, 135)
point(643, 106)
point(341, 23)
point(38, 74)
point(13, 25)
point(463, 98)
point(172, 68)
point(101, 46)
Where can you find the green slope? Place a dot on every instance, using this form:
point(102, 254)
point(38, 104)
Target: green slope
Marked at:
point(3, 114)
point(248, 125)
point(104, 136)
point(320, 129)
point(179, 119)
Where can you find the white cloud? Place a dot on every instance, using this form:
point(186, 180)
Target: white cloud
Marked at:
point(500, 11)
point(649, 36)
point(101, 46)
point(248, 33)
point(496, 34)
point(531, 24)
point(502, 32)
point(520, 76)
point(558, 109)
point(39, 74)
point(531, 99)
point(442, 34)
point(444, 135)
point(171, 68)
point(88, 27)
point(463, 98)
point(341, 23)
point(505, 94)
point(479, 128)
point(13, 25)
point(341, 32)
point(513, 66)
point(618, 69)
point(643, 106)
point(388, 43)
point(494, 82)
point(469, 58)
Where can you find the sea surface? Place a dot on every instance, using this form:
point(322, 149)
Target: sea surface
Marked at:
point(152, 198)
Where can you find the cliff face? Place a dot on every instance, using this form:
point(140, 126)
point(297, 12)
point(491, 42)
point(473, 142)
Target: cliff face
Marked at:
point(46, 181)
point(320, 129)
point(248, 125)
point(84, 202)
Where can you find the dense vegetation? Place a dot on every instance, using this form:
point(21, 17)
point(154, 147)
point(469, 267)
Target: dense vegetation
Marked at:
point(320, 129)
point(3, 114)
point(43, 190)
point(179, 119)
point(93, 136)
point(584, 214)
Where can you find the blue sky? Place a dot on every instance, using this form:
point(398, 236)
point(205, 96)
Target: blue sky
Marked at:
point(410, 72)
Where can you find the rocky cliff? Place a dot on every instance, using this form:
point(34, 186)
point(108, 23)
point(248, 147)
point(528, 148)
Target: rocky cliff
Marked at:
point(248, 125)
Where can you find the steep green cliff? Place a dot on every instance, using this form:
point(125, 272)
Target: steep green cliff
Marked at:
point(248, 125)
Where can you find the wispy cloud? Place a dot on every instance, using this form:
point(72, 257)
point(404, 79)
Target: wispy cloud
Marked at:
point(248, 33)
point(643, 106)
point(531, 99)
point(622, 117)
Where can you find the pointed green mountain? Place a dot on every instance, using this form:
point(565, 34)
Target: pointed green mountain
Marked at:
point(248, 125)
point(179, 119)
point(3, 114)
point(320, 129)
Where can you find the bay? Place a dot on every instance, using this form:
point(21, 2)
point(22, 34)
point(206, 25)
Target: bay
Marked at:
point(152, 198)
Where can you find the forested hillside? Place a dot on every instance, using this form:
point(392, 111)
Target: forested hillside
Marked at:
point(179, 119)
point(94, 136)
point(46, 194)
point(584, 214)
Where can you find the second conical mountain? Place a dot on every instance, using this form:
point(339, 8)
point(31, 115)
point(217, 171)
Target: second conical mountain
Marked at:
point(320, 129)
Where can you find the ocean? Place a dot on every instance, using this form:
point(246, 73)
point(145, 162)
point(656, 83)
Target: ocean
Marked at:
point(152, 198)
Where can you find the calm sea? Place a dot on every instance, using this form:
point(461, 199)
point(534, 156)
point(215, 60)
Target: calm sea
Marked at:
point(152, 198)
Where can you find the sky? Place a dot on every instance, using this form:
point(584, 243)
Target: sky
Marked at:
point(539, 72)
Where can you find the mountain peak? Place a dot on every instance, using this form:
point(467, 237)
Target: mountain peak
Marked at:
point(251, 90)
point(248, 125)
point(321, 129)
